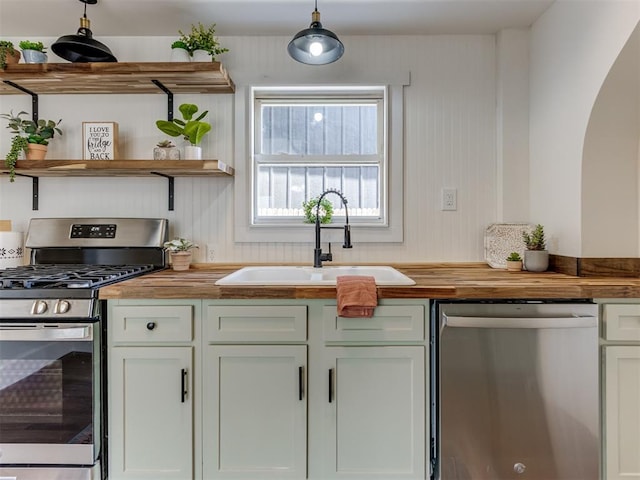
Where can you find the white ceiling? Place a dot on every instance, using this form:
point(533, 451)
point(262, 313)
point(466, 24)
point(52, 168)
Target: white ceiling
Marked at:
point(35, 18)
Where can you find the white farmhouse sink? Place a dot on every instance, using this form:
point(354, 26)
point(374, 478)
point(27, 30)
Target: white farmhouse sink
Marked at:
point(290, 275)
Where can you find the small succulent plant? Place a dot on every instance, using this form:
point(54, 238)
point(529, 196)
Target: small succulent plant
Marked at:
point(535, 240)
point(165, 144)
point(514, 257)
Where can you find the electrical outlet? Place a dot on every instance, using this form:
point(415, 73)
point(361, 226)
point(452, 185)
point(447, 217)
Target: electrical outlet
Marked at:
point(212, 248)
point(449, 199)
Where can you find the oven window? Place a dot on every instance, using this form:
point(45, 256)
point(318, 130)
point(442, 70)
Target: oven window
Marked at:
point(47, 387)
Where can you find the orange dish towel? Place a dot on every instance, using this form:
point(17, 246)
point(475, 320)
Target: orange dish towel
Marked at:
point(357, 295)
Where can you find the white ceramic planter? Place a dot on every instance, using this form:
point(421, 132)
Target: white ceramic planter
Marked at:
point(34, 56)
point(180, 55)
point(192, 152)
point(536, 260)
point(201, 56)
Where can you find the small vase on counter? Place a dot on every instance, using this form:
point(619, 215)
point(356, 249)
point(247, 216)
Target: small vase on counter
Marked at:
point(180, 251)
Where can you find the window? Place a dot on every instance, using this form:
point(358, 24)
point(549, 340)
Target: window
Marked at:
point(306, 140)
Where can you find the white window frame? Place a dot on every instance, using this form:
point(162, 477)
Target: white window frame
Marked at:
point(391, 232)
point(375, 94)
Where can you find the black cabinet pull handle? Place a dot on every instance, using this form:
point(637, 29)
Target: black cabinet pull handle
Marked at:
point(300, 383)
point(151, 325)
point(330, 385)
point(183, 385)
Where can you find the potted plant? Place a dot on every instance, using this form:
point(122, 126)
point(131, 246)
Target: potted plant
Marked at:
point(30, 137)
point(202, 43)
point(192, 130)
point(180, 52)
point(536, 257)
point(8, 54)
point(33, 52)
point(326, 210)
point(180, 252)
point(514, 262)
point(166, 150)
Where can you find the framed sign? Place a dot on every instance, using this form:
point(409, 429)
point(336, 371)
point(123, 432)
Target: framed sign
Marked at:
point(99, 140)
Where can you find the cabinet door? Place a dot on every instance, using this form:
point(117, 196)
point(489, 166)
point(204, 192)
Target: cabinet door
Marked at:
point(622, 413)
point(150, 413)
point(255, 414)
point(375, 413)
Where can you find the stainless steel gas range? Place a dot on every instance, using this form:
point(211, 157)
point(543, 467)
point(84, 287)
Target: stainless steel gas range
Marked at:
point(52, 326)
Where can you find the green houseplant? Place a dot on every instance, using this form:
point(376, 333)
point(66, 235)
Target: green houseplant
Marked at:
point(33, 52)
point(30, 137)
point(180, 52)
point(202, 38)
point(536, 257)
point(8, 54)
point(190, 128)
point(180, 251)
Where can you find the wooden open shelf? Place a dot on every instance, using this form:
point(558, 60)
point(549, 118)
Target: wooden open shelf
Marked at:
point(129, 168)
point(115, 77)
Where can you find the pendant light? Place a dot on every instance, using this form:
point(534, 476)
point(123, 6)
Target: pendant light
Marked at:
point(315, 45)
point(81, 47)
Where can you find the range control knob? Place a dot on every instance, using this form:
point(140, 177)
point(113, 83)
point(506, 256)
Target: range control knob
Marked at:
point(39, 307)
point(62, 306)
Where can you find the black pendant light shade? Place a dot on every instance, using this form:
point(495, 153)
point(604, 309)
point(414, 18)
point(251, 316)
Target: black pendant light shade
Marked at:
point(315, 45)
point(82, 47)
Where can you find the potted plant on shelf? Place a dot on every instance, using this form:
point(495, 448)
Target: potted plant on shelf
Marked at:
point(166, 150)
point(180, 252)
point(33, 52)
point(30, 137)
point(8, 54)
point(202, 43)
point(309, 208)
point(536, 257)
point(192, 130)
point(514, 262)
point(180, 52)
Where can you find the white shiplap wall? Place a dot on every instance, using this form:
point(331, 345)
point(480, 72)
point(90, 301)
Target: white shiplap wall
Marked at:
point(450, 141)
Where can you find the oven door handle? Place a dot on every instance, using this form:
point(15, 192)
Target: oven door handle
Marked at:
point(43, 333)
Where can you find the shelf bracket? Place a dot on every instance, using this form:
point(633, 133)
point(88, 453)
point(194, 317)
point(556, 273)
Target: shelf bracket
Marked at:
point(35, 189)
point(169, 93)
point(34, 100)
point(171, 192)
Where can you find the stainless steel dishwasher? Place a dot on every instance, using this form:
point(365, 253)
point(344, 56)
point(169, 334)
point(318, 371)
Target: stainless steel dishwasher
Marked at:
point(515, 391)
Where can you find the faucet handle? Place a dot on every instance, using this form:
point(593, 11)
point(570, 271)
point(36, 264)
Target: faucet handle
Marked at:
point(347, 237)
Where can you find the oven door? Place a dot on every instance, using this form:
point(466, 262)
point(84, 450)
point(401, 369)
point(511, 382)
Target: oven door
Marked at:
point(49, 393)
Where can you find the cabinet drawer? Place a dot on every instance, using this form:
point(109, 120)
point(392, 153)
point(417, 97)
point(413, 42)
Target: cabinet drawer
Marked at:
point(149, 324)
point(389, 323)
point(622, 322)
point(256, 323)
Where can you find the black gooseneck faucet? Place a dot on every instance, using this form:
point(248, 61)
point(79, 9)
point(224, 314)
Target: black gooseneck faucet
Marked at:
point(318, 256)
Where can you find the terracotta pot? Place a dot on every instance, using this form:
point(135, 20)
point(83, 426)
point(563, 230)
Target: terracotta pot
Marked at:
point(12, 58)
point(180, 260)
point(514, 265)
point(36, 151)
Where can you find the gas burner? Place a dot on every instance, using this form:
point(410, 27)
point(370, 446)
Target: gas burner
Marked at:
point(67, 276)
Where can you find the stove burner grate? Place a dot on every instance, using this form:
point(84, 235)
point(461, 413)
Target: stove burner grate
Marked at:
point(67, 276)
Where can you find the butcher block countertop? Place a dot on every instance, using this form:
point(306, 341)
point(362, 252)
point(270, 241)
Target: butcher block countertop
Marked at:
point(433, 280)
